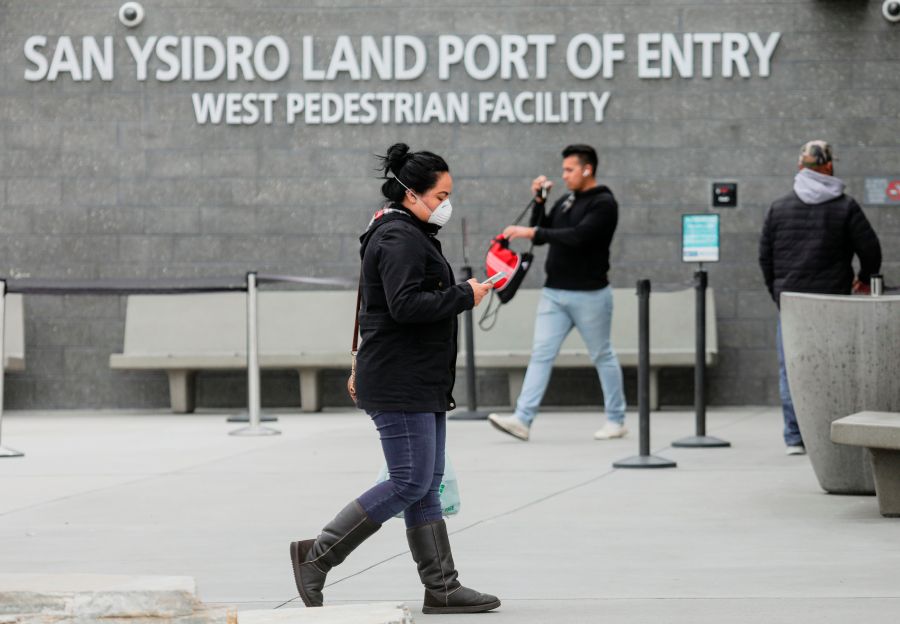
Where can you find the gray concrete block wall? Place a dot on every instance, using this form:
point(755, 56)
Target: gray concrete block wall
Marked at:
point(117, 179)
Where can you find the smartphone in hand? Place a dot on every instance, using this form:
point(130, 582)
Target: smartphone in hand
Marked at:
point(493, 279)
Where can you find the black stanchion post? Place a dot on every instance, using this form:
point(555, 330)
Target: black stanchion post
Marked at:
point(644, 459)
point(472, 412)
point(700, 439)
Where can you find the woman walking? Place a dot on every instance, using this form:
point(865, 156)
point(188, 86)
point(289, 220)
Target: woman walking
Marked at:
point(405, 372)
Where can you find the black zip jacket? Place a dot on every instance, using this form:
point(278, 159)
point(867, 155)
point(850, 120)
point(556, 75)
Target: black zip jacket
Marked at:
point(407, 318)
point(810, 247)
point(579, 238)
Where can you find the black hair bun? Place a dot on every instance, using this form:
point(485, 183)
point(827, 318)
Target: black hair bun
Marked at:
point(397, 155)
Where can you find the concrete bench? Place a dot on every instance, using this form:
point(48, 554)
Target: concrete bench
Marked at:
point(880, 433)
point(310, 331)
point(181, 334)
point(14, 334)
point(672, 323)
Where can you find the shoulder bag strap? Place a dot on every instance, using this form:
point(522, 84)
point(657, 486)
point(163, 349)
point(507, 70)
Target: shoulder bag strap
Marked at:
point(356, 317)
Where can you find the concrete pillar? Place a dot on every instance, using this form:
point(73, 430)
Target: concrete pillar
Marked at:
point(516, 378)
point(310, 396)
point(181, 391)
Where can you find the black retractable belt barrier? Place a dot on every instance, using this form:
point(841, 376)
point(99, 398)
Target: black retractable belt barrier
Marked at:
point(700, 439)
point(40, 286)
point(644, 459)
point(254, 414)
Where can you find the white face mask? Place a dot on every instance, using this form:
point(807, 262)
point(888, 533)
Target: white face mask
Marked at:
point(440, 215)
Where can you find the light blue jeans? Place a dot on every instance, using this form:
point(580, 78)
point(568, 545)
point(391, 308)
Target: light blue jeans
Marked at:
point(792, 435)
point(590, 312)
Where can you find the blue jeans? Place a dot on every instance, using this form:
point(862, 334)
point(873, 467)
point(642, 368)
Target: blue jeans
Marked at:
point(590, 312)
point(791, 428)
point(413, 445)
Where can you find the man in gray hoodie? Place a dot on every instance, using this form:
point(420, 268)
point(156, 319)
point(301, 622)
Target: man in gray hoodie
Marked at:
point(808, 243)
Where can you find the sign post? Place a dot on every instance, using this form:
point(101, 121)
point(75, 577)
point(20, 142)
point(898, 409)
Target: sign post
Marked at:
point(700, 243)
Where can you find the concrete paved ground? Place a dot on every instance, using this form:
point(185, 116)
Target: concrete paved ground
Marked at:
point(737, 535)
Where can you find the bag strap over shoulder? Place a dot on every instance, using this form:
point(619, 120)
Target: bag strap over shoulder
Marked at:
point(355, 346)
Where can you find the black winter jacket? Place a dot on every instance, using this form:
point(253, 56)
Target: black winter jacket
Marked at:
point(407, 318)
point(810, 247)
point(579, 239)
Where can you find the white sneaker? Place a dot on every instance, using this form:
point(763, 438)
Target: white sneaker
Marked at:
point(511, 425)
point(610, 430)
point(797, 449)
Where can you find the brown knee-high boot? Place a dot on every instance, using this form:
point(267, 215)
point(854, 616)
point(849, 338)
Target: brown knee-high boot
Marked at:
point(313, 559)
point(430, 548)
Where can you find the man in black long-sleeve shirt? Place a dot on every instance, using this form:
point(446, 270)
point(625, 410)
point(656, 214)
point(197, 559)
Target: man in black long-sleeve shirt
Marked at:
point(579, 229)
point(807, 245)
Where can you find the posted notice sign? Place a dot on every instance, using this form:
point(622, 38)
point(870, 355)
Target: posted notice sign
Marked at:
point(700, 238)
point(883, 191)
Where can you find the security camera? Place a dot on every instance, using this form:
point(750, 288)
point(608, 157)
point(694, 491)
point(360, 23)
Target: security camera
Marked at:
point(891, 10)
point(131, 14)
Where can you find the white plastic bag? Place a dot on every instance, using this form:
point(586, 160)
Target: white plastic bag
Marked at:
point(448, 491)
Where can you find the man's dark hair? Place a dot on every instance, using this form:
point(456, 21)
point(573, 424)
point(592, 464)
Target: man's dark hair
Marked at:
point(417, 170)
point(586, 154)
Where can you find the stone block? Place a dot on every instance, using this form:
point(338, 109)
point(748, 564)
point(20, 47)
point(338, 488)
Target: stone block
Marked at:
point(86, 135)
point(227, 221)
point(722, 390)
point(99, 162)
point(115, 220)
point(16, 220)
point(97, 596)
point(90, 192)
point(32, 136)
point(726, 302)
point(284, 163)
point(301, 220)
point(376, 613)
point(29, 163)
point(174, 163)
point(16, 108)
point(157, 250)
point(746, 334)
point(163, 220)
point(94, 249)
point(34, 192)
point(175, 192)
point(757, 305)
point(834, 17)
point(48, 106)
point(45, 362)
point(56, 332)
point(764, 18)
point(116, 106)
point(196, 249)
point(95, 308)
point(230, 163)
